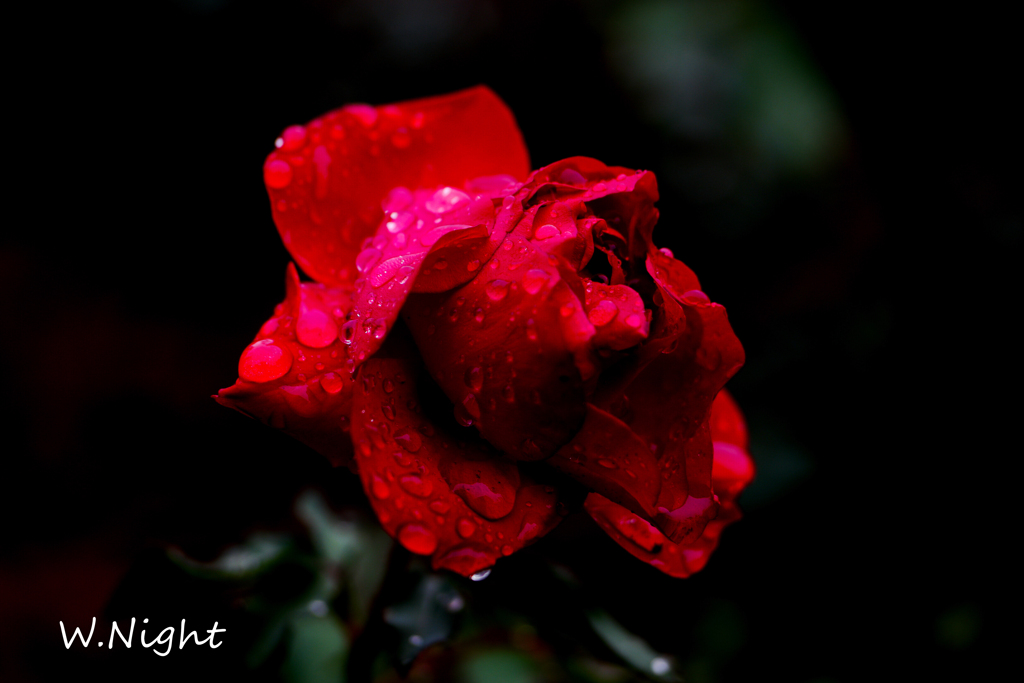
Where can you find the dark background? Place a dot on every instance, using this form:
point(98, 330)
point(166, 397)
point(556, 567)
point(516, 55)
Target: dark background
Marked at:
point(870, 285)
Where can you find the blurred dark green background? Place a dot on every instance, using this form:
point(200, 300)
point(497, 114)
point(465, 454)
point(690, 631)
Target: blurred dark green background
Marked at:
point(844, 178)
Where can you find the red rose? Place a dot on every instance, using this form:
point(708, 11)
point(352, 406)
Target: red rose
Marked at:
point(534, 303)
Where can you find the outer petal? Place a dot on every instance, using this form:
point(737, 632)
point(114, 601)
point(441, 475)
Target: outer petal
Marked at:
point(292, 376)
point(435, 242)
point(456, 501)
point(327, 179)
point(733, 470)
point(496, 348)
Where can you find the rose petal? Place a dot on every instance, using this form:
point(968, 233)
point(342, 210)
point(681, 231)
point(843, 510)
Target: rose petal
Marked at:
point(428, 489)
point(438, 241)
point(327, 179)
point(646, 543)
point(496, 348)
point(292, 377)
point(607, 457)
point(733, 468)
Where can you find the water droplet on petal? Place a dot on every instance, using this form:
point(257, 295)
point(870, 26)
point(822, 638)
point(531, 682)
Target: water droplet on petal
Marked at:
point(507, 202)
point(348, 331)
point(606, 463)
point(410, 441)
point(481, 575)
point(546, 232)
point(388, 385)
point(379, 488)
point(388, 410)
point(399, 222)
point(506, 550)
point(603, 313)
point(366, 114)
point(567, 309)
point(475, 378)
point(331, 383)
point(473, 265)
point(277, 174)
point(478, 315)
point(316, 329)
point(417, 539)
point(263, 361)
point(366, 259)
point(446, 199)
point(667, 252)
point(635, 320)
point(695, 296)
point(534, 280)
point(398, 198)
point(466, 527)
point(600, 187)
point(496, 290)
point(401, 138)
point(471, 405)
point(416, 485)
point(440, 264)
point(293, 138)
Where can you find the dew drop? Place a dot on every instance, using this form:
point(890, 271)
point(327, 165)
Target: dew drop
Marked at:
point(416, 485)
point(478, 315)
point(348, 331)
point(331, 383)
point(603, 313)
point(401, 138)
point(316, 329)
point(293, 138)
point(417, 539)
point(475, 378)
point(695, 296)
point(635, 320)
point(379, 488)
point(440, 264)
point(277, 174)
point(546, 232)
point(534, 280)
point(466, 527)
point(506, 550)
point(446, 199)
point(496, 290)
point(399, 222)
point(507, 202)
point(608, 464)
point(263, 361)
point(367, 257)
point(410, 441)
point(667, 252)
point(471, 406)
point(388, 410)
point(567, 309)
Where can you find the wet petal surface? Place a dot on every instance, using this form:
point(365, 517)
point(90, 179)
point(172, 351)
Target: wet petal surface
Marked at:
point(455, 500)
point(328, 180)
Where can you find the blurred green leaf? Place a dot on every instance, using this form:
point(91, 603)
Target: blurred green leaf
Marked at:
point(633, 649)
point(427, 617)
point(317, 649)
point(252, 558)
point(499, 666)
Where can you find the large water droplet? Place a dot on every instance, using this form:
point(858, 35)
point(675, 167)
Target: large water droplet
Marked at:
point(293, 138)
point(264, 361)
point(277, 174)
point(379, 488)
point(603, 313)
point(492, 501)
point(475, 378)
point(348, 331)
point(446, 199)
point(471, 405)
point(331, 383)
point(316, 329)
point(546, 232)
point(417, 539)
point(410, 441)
point(534, 280)
point(366, 259)
point(398, 222)
point(416, 485)
point(695, 296)
point(496, 290)
point(507, 550)
point(466, 527)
